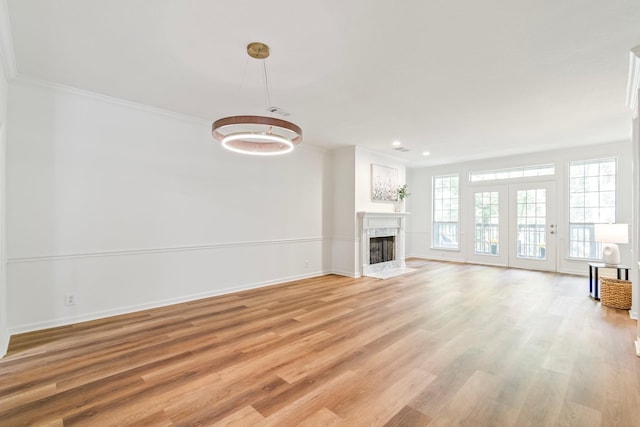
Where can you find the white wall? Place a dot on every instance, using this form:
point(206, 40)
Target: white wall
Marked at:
point(129, 207)
point(4, 329)
point(363, 203)
point(343, 253)
point(420, 181)
point(352, 194)
point(364, 160)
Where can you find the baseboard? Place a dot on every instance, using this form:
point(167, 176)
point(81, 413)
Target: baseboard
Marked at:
point(437, 258)
point(488, 264)
point(87, 317)
point(638, 347)
point(4, 343)
point(351, 274)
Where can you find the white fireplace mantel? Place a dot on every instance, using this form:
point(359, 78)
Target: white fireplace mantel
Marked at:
point(381, 224)
point(384, 214)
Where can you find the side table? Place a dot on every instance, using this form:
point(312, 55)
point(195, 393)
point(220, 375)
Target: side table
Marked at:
point(594, 287)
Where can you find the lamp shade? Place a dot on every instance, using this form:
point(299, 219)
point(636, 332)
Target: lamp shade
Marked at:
point(611, 233)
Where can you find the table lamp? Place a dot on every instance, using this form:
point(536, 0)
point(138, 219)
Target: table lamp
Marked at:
point(609, 235)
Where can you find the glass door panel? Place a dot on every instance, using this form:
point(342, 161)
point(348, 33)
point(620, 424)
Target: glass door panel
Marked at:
point(532, 225)
point(488, 228)
point(487, 223)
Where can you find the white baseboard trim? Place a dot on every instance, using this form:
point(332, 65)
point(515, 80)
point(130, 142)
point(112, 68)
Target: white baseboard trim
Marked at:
point(4, 343)
point(638, 347)
point(37, 326)
point(351, 274)
point(437, 258)
point(488, 264)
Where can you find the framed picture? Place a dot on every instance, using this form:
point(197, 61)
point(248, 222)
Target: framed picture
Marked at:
point(384, 183)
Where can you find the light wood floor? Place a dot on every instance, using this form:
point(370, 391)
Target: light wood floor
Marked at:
point(449, 344)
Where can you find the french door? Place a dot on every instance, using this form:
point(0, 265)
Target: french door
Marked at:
point(515, 225)
point(532, 225)
point(490, 225)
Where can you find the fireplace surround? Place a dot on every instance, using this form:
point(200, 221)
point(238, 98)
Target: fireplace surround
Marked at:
point(387, 233)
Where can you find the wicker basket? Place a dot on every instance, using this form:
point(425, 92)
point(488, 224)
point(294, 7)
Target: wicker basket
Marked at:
point(615, 293)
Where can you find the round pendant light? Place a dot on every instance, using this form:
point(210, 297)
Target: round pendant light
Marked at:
point(257, 135)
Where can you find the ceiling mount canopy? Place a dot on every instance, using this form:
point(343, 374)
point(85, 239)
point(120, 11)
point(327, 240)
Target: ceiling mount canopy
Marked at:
point(258, 50)
point(257, 135)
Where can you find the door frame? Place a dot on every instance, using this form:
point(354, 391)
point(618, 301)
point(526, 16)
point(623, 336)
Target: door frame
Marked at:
point(507, 225)
point(549, 263)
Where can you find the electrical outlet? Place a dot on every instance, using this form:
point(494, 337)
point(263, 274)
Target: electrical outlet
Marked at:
point(70, 299)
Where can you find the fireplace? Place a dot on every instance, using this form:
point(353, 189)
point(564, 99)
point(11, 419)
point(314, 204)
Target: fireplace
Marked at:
point(382, 249)
point(382, 243)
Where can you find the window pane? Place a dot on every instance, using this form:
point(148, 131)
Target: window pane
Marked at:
point(592, 215)
point(576, 200)
point(608, 183)
point(576, 215)
point(592, 200)
point(576, 170)
point(608, 168)
point(608, 199)
point(592, 184)
point(577, 184)
point(608, 215)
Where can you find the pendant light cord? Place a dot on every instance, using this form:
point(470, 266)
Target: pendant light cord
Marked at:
point(267, 94)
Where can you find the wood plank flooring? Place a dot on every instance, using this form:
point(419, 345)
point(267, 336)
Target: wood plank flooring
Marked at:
point(449, 344)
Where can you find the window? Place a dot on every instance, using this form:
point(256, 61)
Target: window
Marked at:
point(487, 221)
point(445, 212)
point(509, 173)
point(592, 200)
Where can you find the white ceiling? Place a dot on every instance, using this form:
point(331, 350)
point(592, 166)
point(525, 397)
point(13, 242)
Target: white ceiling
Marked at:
point(462, 79)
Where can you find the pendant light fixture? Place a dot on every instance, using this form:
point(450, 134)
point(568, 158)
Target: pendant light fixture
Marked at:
point(257, 135)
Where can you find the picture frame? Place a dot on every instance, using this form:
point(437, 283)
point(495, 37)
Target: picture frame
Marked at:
point(384, 183)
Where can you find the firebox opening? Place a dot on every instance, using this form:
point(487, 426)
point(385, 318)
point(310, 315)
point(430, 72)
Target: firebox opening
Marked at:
point(382, 249)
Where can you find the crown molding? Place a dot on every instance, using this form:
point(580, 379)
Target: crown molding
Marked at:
point(7, 55)
point(633, 81)
point(387, 156)
point(45, 84)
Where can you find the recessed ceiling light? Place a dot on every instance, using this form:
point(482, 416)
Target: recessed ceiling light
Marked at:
point(426, 153)
point(396, 143)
